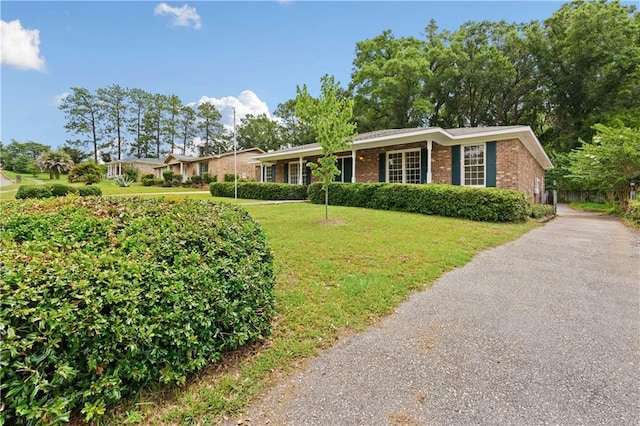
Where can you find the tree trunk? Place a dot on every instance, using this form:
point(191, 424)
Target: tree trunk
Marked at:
point(326, 203)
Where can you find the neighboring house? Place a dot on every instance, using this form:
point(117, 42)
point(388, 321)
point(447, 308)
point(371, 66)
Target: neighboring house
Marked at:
point(215, 165)
point(144, 166)
point(504, 157)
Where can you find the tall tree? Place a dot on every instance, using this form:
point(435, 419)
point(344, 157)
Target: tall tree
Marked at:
point(295, 131)
point(210, 129)
point(139, 101)
point(21, 156)
point(330, 116)
point(76, 155)
point(84, 117)
point(152, 124)
point(388, 83)
point(187, 127)
point(259, 131)
point(589, 53)
point(170, 121)
point(114, 101)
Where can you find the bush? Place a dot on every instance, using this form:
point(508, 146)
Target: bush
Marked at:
point(196, 179)
point(259, 191)
point(177, 179)
point(89, 191)
point(60, 190)
point(230, 177)
point(481, 204)
point(88, 173)
point(633, 212)
point(100, 297)
point(131, 174)
point(123, 181)
point(158, 182)
point(148, 181)
point(168, 176)
point(207, 178)
point(33, 191)
point(541, 210)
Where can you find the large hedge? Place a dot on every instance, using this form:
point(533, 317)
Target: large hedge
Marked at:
point(260, 191)
point(55, 190)
point(633, 212)
point(100, 297)
point(481, 204)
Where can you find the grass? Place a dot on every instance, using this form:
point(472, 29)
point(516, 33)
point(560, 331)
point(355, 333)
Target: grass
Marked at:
point(333, 280)
point(592, 207)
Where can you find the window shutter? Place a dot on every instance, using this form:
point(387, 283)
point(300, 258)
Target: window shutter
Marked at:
point(347, 171)
point(455, 165)
point(382, 166)
point(490, 164)
point(423, 165)
point(338, 177)
point(308, 177)
point(286, 173)
point(273, 173)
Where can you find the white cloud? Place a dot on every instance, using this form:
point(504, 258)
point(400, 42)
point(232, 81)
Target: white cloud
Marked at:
point(185, 16)
point(246, 103)
point(20, 47)
point(59, 98)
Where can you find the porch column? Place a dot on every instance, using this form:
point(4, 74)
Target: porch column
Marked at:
point(182, 171)
point(429, 147)
point(300, 182)
point(353, 166)
point(261, 173)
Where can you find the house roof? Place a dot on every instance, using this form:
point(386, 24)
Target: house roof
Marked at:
point(137, 160)
point(445, 137)
point(190, 158)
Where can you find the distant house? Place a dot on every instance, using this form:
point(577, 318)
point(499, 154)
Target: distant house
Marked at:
point(504, 157)
point(215, 165)
point(144, 166)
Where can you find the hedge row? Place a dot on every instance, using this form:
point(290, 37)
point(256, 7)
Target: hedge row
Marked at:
point(539, 211)
point(481, 204)
point(633, 212)
point(56, 190)
point(260, 191)
point(100, 297)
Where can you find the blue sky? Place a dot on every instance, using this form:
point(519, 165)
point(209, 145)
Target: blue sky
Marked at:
point(247, 55)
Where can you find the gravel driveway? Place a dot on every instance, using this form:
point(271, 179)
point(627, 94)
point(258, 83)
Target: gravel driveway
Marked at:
point(543, 330)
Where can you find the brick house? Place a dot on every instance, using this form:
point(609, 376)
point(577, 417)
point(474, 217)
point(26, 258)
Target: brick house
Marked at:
point(216, 165)
point(144, 165)
point(503, 156)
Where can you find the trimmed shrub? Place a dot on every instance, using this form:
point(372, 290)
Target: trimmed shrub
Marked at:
point(60, 190)
point(33, 191)
point(168, 176)
point(260, 191)
point(89, 191)
point(207, 178)
point(633, 212)
point(158, 182)
point(196, 179)
point(541, 210)
point(149, 176)
point(230, 177)
point(88, 173)
point(100, 297)
point(148, 181)
point(481, 204)
point(131, 173)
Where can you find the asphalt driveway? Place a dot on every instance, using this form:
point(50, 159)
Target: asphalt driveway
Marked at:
point(543, 330)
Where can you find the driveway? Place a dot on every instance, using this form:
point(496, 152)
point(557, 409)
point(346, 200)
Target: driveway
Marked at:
point(4, 181)
point(542, 330)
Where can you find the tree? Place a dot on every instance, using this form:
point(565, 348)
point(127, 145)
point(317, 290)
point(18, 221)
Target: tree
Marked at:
point(54, 162)
point(610, 162)
point(388, 83)
point(210, 130)
point(76, 155)
point(589, 55)
point(152, 125)
point(139, 103)
point(20, 156)
point(187, 127)
point(170, 121)
point(114, 103)
point(330, 117)
point(83, 115)
point(294, 132)
point(259, 131)
point(88, 172)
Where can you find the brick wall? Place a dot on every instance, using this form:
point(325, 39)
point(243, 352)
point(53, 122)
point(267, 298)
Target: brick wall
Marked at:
point(441, 164)
point(516, 168)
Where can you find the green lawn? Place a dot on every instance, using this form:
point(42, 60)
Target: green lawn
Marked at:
point(592, 207)
point(333, 280)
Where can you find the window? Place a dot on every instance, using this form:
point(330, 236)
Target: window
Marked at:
point(203, 168)
point(473, 165)
point(403, 167)
point(344, 165)
point(294, 173)
point(268, 174)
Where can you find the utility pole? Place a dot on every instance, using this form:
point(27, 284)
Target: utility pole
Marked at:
point(235, 157)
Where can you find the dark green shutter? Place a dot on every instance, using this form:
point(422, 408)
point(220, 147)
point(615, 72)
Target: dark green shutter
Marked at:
point(338, 178)
point(308, 177)
point(455, 165)
point(347, 171)
point(382, 167)
point(273, 173)
point(423, 165)
point(490, 162)
point(286, 173)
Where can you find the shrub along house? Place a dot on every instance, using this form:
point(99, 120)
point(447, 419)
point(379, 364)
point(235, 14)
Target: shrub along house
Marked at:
point(505, 157)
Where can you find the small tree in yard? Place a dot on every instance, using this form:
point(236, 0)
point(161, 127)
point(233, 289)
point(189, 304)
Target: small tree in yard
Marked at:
point(330, 117)
point(610, 163)
point(88, 173)
point(55, 162)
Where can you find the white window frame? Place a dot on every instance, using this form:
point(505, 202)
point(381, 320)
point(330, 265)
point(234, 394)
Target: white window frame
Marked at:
point(200, 167)
point(404, 164)
point(296, 168)
point(268, 174)
point(484, 164)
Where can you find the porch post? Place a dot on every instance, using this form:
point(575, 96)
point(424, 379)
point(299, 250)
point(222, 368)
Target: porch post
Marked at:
point(261, 173)
point(300, 182)
point(353, 166)
point(429, 147)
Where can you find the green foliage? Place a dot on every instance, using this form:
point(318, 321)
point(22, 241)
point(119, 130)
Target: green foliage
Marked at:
point(101, 297)
point(196, 179)
point(168, 176)
point(89, 191)
point(148, 181)
point(88, 173)
point(20, 157)
point(481, 204)
point(633, 212)
point(123, 181)
point(230, 177)
point(259, 131)
point(207, 178)
point(54, 162)
point(131, 173)
point(259, 191)
point(541, 210)
point(33, 191)
point(210, 130)
point(59, 190)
